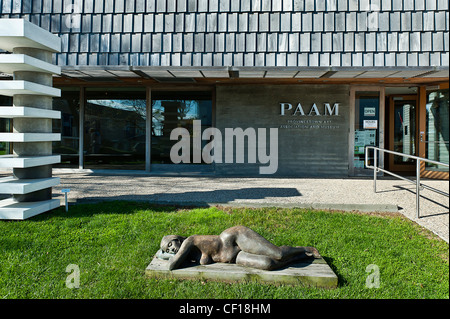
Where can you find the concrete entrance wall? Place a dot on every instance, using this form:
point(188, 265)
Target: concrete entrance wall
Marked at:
point(309, 144)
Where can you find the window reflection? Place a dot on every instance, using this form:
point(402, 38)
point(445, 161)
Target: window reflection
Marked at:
point(437, 128)
point(5, 126)
point(170, 111)
point(68, 126)
point(114, 130)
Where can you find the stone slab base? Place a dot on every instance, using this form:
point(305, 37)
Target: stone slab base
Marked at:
point(9, 209)
point(315, 273)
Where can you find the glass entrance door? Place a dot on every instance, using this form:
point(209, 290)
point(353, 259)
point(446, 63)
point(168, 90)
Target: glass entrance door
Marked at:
point(402, 131)
point(434, 131)
point(367, 127)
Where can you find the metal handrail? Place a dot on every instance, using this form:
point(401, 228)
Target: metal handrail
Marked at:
point(418, 159)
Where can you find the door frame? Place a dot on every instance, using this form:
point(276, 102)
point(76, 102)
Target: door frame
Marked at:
point(422, 133)
point(406, 97)
point(351, 134)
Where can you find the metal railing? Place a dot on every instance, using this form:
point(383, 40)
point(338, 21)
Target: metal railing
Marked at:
point(419, 160)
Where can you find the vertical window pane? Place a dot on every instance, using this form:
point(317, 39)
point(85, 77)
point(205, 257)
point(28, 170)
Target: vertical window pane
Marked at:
point(5, 126)
point(437, 128)
point(172, 110)
point(367, 124)
point(114, 129)
point(68, 126)
point(404, 129)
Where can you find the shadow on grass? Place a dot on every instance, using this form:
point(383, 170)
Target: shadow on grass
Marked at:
point(107, 207)
point(341, 280)
point(196, 196)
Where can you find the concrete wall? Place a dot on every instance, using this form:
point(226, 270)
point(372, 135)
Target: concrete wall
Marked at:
point(306, 147)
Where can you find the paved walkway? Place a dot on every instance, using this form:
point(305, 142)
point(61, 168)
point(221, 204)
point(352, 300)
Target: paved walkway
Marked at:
point(339, 194)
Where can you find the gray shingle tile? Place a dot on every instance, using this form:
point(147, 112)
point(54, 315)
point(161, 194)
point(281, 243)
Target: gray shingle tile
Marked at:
point(428, 21)
point(392, 42)
point(318, 22)
point(243, 22)
point(403, 42)
point(316, 42)
point(419, 5)
point(360, 42)
point(442, 5)
point(438, 41)
point(285, 22)
point(430, 4)
point(414, 41)
point(338, 42)
point(413, 59)
point(381, 42)
point(416, 21)
point(329, 22)
point(440, 21)
point(406, 21)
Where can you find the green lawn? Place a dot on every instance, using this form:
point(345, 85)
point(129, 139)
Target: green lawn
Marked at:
point(112, 243)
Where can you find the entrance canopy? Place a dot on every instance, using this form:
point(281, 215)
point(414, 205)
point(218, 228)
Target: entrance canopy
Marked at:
point(190, 74)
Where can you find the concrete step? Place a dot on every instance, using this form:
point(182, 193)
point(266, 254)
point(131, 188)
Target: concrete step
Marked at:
point(11, 112)
point(13, 87)
point(14, 161)
point(10, 209)
point(21, 33)
point(30, 137)
point(12, 185)
point(10, 63)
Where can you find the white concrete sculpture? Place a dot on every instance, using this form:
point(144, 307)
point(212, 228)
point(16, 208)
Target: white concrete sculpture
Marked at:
point(30, 63)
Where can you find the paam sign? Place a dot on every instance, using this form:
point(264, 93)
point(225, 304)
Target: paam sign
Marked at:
point(326, 110)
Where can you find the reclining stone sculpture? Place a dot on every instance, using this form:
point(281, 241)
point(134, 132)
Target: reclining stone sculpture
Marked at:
point(239, 245)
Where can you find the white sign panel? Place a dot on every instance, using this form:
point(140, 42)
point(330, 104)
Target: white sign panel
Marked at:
point(369, 111)
point(370, 124)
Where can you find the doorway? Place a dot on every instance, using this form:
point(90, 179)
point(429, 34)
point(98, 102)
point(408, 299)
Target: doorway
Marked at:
point(366, 127)
point(434, 130)
point(402, 136)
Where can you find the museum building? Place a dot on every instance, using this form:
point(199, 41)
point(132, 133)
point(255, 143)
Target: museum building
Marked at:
point(333, 76)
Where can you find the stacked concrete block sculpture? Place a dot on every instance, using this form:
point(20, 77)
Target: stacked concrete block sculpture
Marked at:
point(30, 62)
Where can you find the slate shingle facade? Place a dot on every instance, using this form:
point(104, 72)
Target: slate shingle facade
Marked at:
point(266, 33)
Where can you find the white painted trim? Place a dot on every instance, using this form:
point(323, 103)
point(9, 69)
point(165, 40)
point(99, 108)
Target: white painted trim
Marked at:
point(11, 112)
point(11, 185)
point(11, 88)
point(14, 161)
point(10, 63)
point(30, 137)
point(20, 33)
point(10, 209)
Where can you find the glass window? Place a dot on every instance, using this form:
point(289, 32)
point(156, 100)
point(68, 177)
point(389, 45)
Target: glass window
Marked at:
point(114, 129)
point(367, 125)
point(5, 126)
point(69, 106)
point(171, 110)
point(404, 129)
point(437, 129)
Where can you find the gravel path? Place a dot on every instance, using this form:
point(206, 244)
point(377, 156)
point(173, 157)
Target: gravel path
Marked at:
point(339, 194)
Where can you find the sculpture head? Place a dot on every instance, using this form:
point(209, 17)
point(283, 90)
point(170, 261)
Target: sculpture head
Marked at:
point(171, 244)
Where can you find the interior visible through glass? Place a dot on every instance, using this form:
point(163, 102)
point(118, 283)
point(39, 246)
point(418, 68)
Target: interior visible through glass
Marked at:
point(177, 109)
point(404, 129)
point(114, 129)
point(68, 126)
point(437, 129)
point(367, 123)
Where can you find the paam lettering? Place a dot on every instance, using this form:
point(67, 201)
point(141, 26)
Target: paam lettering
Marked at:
point(327, 109)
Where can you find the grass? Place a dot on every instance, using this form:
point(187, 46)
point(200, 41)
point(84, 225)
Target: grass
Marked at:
point(112, 243)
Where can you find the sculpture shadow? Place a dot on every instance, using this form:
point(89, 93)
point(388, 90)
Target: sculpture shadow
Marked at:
point(200, 198)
